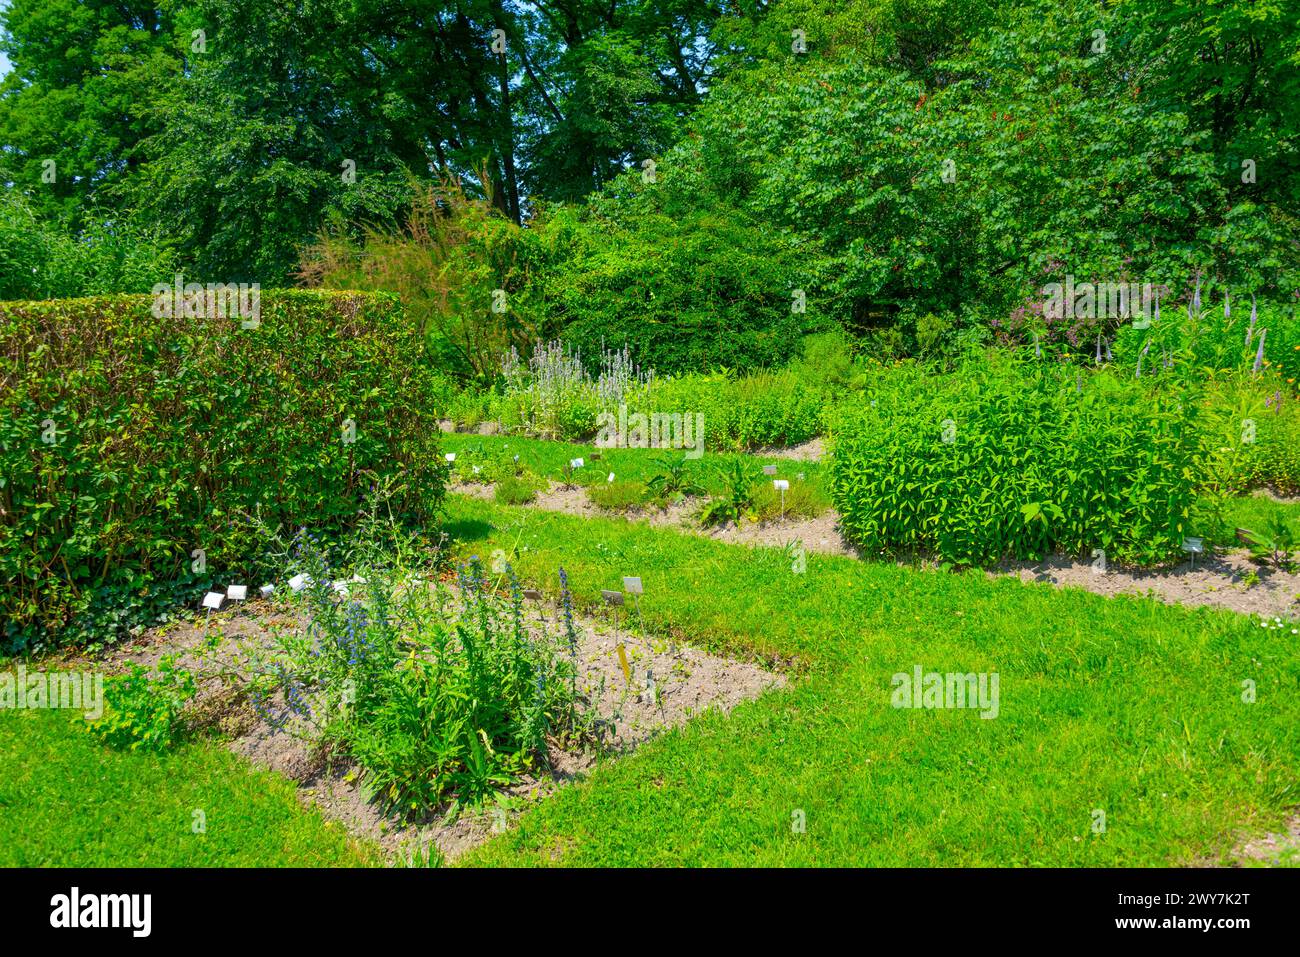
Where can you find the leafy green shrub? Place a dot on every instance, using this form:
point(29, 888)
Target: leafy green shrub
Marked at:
point(1274, 457)
point(142, 710)
point(435, 693)
point(1010, 459)
point(43, 260)
point(1275, 545)
point(688, 289)
point(133, 448)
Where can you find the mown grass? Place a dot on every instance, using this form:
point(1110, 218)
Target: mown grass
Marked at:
point(68, 801)
point(1122, 705)
point(549, 459)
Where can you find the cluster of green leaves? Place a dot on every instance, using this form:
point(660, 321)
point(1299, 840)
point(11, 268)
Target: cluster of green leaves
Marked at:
point(675, 481)
point(737, 500)
point(685, 286)
point(1016, 459)
point(1276, 544)
point(41, 259)
point(143, 708)
point(1274, 458)
point(436, 694)
point(128, 442)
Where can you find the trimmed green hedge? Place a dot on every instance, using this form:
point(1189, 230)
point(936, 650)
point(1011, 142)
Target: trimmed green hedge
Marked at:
point(128, 441)
point(1005, 459)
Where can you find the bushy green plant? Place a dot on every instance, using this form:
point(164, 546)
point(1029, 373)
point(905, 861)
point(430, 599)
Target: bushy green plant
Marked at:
point(436, 694)
point(675, 481)
point(1274, 457)
point(133, 449)
point(517, 490)
point(1276, 545)
point(737, 501)
point(142, 709)
point(40, 259)
point(618, 495)
point(688, 287)
point(1011, 459)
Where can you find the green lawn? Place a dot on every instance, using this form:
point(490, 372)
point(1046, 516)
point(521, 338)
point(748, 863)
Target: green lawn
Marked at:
point(548, 458)
point(1126, 706)
point(68, 801)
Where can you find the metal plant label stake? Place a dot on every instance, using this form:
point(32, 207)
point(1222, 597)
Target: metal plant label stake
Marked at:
point(615, 600)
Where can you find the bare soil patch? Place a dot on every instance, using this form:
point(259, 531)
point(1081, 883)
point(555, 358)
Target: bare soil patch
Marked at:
point(1229, 580)
point(1270, 849)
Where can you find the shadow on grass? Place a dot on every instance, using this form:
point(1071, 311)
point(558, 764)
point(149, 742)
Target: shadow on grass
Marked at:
point(467, 529)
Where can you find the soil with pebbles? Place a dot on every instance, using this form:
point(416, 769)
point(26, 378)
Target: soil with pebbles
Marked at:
point(1270, 848)
point(1228, 580)
point(666, 684)
point(1225, 580)
point(814, 450)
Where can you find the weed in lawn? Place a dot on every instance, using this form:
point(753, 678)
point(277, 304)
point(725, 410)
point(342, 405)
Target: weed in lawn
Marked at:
point(143, 710)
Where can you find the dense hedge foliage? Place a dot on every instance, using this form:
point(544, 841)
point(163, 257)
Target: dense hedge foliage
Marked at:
point(1017, 460)
point(127, 442)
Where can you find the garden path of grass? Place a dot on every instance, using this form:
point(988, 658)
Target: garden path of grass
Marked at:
point(1124, 707)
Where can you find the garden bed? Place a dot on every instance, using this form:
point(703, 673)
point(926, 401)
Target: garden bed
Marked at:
point(688, 682)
